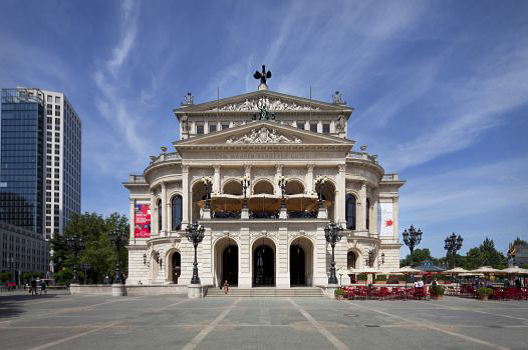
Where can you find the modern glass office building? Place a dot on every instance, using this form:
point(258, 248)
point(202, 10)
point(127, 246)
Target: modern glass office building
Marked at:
point(22, 158)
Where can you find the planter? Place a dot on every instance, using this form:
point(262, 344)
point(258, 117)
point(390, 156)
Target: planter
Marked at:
point(484, 297)
point(435, 297)
point(339, 297)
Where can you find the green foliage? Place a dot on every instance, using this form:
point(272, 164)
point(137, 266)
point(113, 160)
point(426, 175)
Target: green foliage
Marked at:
point(362, 277)
point(485, 254)
point(339, 291)
point(419, 255)
point(98, 250)
point(4, 276)
point(437, 290)
point(484, 291)
point(518, 241)
point(381, 278)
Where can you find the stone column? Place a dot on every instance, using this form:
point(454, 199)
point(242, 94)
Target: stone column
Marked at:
point(244, 277)
point(163, 209)
point(374, 228)
point(340, 194)
point(309, 178)
point(361, 224)
point(154, 215)
point(186, 201)
point(216, 178)
point(278, 174)
point(247, 172)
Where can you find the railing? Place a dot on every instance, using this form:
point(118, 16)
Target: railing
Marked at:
point(363, 155)
point(226, 214)
point(164, 156)
point(390, 177)
point(302, 214)
point(136, 178)
point(263, 215)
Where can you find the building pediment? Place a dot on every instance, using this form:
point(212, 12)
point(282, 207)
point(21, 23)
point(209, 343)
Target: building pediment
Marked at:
point(272, 101)
point(262, 133)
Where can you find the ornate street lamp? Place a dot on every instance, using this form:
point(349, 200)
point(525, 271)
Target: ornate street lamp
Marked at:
point(319, 183)
point(333, 235)
point(207, 183)
point(245, 184)
point(411, 239)
point(195, 234)
point(75, 245)
point(118, 238)
point(452, 245)
point(85, 267)
point(282, 184)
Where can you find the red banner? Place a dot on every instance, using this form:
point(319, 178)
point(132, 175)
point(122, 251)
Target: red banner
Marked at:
point(142, 221)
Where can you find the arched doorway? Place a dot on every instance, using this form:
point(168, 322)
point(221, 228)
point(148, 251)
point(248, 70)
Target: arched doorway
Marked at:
point(230, 265)
point(297, 266)
point(176, 267)
point(226, 262)
point(264, 263)
point(301, 262)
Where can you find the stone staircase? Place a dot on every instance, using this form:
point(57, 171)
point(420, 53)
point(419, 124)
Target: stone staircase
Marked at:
point(267, 292)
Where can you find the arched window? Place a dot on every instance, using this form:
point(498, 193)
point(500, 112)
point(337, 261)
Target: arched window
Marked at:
point(160, 214)
point(351, 260)
point(367, 213)
point(176, 206)
point(350, 208)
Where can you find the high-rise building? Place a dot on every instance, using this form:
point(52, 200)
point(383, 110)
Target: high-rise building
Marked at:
point(40, 160)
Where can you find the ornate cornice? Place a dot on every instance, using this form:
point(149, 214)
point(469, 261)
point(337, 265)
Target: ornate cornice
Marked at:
point(262, 135)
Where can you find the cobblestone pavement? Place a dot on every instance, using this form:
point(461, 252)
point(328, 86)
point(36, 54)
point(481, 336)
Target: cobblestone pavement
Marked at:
point(58, 321)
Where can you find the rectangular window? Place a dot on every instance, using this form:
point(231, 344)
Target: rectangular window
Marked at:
point(57, 113)
point(199, 129)
point(313, 127)
point(49, 98)
point(225, 126)
point(326, 128)
point(212, 127)
point(57, 99)
point(49, 112)
point(300, 124)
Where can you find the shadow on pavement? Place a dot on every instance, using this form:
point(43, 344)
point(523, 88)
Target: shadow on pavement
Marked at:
point(13, 305)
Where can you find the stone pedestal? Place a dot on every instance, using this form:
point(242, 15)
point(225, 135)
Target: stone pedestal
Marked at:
point(244, 214)
point(206, 213)
point(322, 213)
point(118, 290)
point(283, 214)
point(330, 290)
point(195, 291)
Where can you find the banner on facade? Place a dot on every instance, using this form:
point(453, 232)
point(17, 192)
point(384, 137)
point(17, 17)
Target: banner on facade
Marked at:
point(386, 226)
point(142, 221)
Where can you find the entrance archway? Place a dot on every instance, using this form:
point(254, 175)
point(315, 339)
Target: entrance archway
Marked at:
point(230, 265)
point(176, 267)
point(263, 263)
point(301, 262)
point(226, 262)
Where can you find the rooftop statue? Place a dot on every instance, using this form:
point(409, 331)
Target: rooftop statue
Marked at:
point(262, 76)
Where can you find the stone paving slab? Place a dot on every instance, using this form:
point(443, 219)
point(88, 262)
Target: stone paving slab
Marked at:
point(175, 322)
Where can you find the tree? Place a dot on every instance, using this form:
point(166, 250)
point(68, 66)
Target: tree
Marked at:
point(485, 254)
point(419, 255)
point(98, 251)
point(518, 241)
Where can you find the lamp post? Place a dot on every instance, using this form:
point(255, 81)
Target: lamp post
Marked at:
point(319, 183)
point(333, 235)
point(85, 267)
point(117, 237)
point(195, 234)
point(245, 184)
point(411, 239)
point(75, 244)
point(207, 183)
point(282, 184)
point(452, 245)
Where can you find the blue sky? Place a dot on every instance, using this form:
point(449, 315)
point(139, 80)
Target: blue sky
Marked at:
point(439, 89)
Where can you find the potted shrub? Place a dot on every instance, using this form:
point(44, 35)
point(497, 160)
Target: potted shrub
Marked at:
point(339, 293)
point(436, 291)
point(484, 293)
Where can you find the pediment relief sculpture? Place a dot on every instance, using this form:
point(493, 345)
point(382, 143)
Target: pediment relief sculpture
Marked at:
point(262, 135)
point(255, 105)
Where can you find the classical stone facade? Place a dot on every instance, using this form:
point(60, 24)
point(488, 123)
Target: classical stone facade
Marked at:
point(273, 235)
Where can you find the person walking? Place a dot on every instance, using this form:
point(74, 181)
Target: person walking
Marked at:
point(226, 287)
point(33, 286)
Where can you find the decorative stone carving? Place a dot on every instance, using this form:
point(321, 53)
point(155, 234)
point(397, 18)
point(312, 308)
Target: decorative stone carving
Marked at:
point(255, 235)
point(271, 105)
point(219, 235)
point(293, 235)
point(263, 135)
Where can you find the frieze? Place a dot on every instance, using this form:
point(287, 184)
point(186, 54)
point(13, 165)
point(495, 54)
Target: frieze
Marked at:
point(263, 234)
point(234, 235)
point(262, 135)
point(253, 105)
point(294, 235)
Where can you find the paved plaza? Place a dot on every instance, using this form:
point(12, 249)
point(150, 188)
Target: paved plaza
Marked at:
point(60, 321)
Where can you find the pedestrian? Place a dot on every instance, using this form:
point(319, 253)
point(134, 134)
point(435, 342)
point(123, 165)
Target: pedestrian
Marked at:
point(226, 287)
point(33, 286)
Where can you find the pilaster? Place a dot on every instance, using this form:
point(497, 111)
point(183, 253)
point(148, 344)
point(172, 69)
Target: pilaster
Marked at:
point(216, 178)
point(340, 194)
point(185, 195)
point(309, 178)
